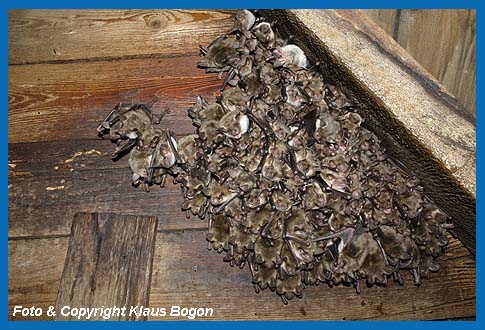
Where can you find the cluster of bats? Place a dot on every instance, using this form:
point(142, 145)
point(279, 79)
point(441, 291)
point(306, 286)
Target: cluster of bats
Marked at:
point(290, 182)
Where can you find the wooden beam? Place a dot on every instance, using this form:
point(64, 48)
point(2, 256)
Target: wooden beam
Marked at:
point(108, 263)
point(186, 274)
point(418, 121)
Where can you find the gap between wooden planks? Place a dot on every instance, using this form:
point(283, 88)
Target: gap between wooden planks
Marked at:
point(186, 274)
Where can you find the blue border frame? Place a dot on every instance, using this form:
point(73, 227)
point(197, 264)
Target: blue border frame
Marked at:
point(381, 4)
point(465, 4)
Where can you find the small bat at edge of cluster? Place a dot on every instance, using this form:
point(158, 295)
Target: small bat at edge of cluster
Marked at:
point(152, 151)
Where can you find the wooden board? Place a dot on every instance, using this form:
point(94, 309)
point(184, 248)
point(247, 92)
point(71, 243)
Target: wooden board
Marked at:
point(418, 121)
point(69, 35)
point(49, 184)
point(54, 117)
point(108, 263)
point(186, 274)
point(68, 101)
point(448, 52)
point(34, 273)
point(442, 41)
point(387, 19)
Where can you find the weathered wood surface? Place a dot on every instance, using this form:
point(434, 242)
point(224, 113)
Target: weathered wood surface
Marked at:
point(34, 273)
point(54, 116)
point(387, 19)
point(51, 181)
point(416, 118)
point(69, 35)
point(57, 167)
point(442, 41)
point(108, 263)
point(49, 102)
point(186, 274)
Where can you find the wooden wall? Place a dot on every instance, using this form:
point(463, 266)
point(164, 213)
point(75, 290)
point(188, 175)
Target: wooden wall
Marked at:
point(443, 41)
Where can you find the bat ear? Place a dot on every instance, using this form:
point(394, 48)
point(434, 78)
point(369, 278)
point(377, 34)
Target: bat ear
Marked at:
point(201, 101)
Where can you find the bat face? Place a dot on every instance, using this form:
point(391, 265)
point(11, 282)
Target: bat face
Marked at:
point(314, 89)
point(272, 94)
point(205, 112)
point(327, 129)
point(234, 99)
point(282, 201)
point(209, 131)
point(234, 124)
point(188, 149)
point(218, 233)
point(280, 129)
point(314, 197)
point(306, 163)
point(268, 74)
point(257, 199)
point(264, 33)
point(197, 205)
point(220, 194)
point(243, 179)
point(294, 96)
point(139, 162)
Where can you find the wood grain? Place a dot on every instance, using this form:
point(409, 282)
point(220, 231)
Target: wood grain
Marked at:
point(67, 101)
point(108, 263)
point(186, 274)
point(385, 18)
point(89, 182)
point(67, 69)
point(37, 36)
point(34, 273)
point(442, 41)
point(418, 121)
